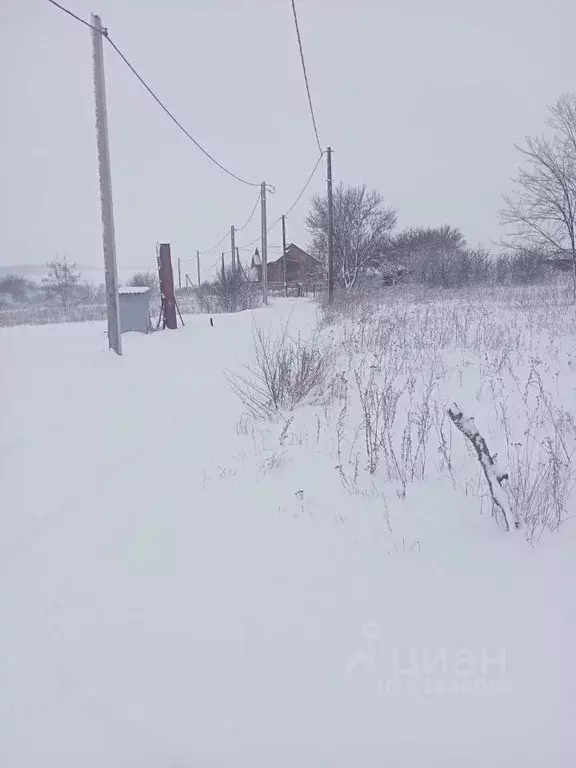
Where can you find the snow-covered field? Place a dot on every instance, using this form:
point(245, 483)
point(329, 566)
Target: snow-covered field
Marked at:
point(184, 584)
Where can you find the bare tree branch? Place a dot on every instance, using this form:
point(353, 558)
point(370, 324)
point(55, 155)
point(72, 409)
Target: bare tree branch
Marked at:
point(362, 227)
point(541, 211)
point(61, 279)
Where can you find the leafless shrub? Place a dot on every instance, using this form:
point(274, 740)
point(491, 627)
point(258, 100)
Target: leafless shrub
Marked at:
point(61, 279)
point(542, 470)
point(401, 448)
point(146, 280)
point(244, 426)
point(285, 372)
point(272, 461)
point(229, 292)
point(444, 437)
point(406, 546)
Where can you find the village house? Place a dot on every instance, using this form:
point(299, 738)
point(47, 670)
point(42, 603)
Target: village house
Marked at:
point(300, 266)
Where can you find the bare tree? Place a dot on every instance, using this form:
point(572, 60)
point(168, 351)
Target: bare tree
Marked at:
point(541, 210)
point(15, 286)
point(61, 279)
point(362, 227)
point(146, 280)
point(436, 256)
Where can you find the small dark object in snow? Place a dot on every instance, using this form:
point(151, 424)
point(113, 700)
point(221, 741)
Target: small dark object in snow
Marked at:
point(212, 322)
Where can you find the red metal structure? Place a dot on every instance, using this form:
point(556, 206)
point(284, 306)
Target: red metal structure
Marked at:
point(166, 275)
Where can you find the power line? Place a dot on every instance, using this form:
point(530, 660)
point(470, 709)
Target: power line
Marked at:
point(297, 228)
point(208, 250)
point(279, 219)
point(175, 121)
point(239, 229)
point(269, 188)
point(270, 248)
point(155, 97)
point(86, 24)
point(257, 239)
point(295, 203)
point(306, 76)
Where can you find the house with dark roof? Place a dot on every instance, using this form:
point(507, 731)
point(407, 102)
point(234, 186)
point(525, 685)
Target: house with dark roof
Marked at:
point(300, 266)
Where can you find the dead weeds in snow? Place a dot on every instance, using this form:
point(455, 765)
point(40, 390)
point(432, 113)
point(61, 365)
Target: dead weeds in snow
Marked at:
point(385, 366)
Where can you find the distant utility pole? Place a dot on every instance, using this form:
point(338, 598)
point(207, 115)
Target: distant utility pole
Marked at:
point(264, 254)
point(284, 253)
point(179, 275)
point(107, 210)
point(223, 269)
point(198, 266)
point(330, 229)
point(233, 247)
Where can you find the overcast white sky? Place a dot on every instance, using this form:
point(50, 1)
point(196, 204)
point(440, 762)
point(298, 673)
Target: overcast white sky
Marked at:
point(419, 98)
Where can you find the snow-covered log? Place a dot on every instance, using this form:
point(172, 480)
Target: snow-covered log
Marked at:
point(494, 475)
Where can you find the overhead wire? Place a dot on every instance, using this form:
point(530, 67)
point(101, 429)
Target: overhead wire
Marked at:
point(294, 204)
point(257, 239)
point(82, 21)
point(296, 227)
point(177, 122)
point(304, 70)
point(160, 103)
point(270, 188)
point(239, 229)
point(209, 250)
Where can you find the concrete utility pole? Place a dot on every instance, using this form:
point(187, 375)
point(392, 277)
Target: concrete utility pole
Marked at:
point(108, 236)
point(284, 253)
point(330, 229)
point(166, 276)
point(198, 266)
point(233, 247)
point(264, 254)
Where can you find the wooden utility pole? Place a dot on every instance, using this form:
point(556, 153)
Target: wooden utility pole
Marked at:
point(198, 266)
point(284, 253)
point(223, 269)
point(233, 248)
point(330, 229)
point(107, 210)
point(264, 254)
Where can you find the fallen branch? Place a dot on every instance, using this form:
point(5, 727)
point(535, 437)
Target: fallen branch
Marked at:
point(494, 475)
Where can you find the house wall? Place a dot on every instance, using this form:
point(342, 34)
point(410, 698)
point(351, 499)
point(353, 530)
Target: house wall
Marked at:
point(299, 266)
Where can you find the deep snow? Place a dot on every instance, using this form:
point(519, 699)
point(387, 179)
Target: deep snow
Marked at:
point(175, 592)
